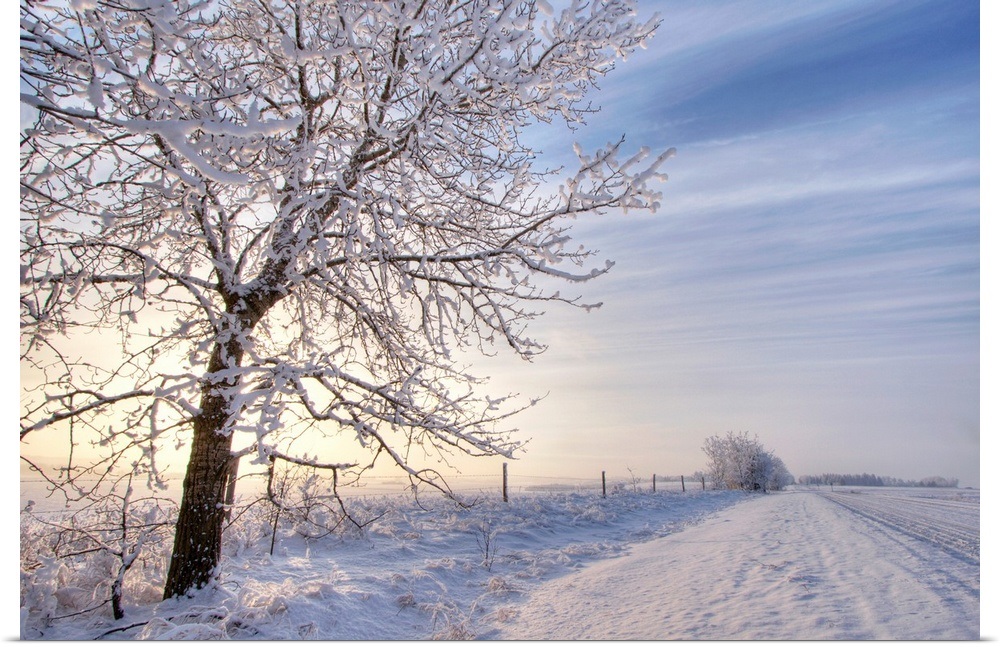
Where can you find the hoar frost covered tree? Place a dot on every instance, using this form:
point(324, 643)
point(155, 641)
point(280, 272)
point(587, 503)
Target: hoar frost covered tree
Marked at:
point(739, 462)
point(286, 218)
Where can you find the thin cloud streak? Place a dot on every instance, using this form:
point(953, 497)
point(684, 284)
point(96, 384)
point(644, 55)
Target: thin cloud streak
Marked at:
point(748, 66)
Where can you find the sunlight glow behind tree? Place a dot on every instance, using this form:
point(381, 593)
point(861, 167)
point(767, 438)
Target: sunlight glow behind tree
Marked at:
point(291, 214)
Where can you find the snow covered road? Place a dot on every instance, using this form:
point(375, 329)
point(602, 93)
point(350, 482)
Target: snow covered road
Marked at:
point(951, 525)
point(797, 565)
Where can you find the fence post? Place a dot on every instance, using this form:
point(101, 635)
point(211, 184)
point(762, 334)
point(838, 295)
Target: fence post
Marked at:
point(505, 482)
point(703, 483)
point(654, 483)
point(604, 486)
point(683, 489)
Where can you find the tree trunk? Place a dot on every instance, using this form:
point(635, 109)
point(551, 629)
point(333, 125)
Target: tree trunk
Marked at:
point(198, 538)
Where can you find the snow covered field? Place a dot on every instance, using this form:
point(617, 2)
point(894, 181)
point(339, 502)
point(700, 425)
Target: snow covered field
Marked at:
point(812, 564)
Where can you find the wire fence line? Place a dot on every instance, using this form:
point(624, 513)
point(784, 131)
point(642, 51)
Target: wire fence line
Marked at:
point(506, 483)
point(36, 490)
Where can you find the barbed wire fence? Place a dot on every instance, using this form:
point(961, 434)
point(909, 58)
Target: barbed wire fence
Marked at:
point(506, 483)
point(502, 484)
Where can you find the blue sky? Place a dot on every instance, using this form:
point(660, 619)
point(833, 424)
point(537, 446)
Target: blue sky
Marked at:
point(813, 275)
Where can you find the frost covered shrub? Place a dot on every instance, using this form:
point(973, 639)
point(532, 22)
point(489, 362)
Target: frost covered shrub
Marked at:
point(738, 462)
point(94, 559)
point(248, 529)
point(297, 495)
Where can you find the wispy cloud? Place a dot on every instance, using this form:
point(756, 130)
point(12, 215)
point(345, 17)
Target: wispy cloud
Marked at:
point(727, 68)
point(814, 273)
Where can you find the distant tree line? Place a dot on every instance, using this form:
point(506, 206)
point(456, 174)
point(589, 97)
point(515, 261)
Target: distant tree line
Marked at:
point(739, 462)
point(876, 481)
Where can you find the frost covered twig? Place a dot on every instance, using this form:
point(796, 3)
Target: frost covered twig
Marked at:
point(486, 540)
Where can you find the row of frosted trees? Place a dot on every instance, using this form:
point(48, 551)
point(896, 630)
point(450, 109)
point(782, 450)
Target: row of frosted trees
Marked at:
point(739, 462)
point(875, 481)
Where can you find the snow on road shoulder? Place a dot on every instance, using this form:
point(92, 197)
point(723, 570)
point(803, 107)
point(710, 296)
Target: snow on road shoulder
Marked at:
point(785, 566)
point(444, 571)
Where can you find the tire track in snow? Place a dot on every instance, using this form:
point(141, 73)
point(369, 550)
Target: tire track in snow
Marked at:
point(949, 525)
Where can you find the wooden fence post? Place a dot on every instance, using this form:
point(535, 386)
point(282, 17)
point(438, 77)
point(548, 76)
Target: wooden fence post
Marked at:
point(505, 482)
point(703, 483)
point(683, 489)
point(654, 483)
point(604, 486)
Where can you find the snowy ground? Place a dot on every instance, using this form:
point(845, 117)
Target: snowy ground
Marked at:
point(714, 565)
point(796, 566)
